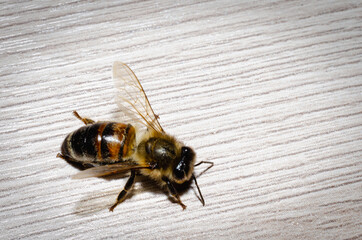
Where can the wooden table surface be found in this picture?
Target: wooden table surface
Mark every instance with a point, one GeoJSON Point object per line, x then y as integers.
{"type": "Point", "coordinates": [270, 91]}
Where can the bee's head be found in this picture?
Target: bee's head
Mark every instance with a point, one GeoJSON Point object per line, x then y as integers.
{"type": "Point", "coordinates": [184, 168]}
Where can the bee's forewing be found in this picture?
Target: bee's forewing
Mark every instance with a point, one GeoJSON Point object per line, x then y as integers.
{"type": "Point", "coordinates": [131, 98]}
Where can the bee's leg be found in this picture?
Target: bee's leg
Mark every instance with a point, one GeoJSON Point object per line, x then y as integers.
{"type": "Point", "coordinates": [173, 192]}
{"type": "Point", "coordinates": [122, 195]}
{"type": "Point", "coordinates": [85, 120]}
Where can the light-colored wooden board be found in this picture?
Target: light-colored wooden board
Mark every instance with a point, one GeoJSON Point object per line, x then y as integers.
{"type": "Point", "coordinates": [270, 91]}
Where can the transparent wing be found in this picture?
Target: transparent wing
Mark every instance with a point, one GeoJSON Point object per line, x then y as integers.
{"type": "Point", "coordinates": [131, 98]}
{"type": "Point", "coordinates": [107, 170]}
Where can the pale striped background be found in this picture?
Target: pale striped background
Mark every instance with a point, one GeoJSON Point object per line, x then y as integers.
{"type": "Point", "coordinates": [270, 91]}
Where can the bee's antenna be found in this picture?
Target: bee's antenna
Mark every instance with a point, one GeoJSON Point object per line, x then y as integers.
{"type": "Point", "coordinates": [201, 197]}
{"type": "Point", "coordinates": [207, 162]}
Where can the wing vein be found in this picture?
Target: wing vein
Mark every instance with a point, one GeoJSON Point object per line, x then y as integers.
{"type": "Point", "coordinates": [131, 97]}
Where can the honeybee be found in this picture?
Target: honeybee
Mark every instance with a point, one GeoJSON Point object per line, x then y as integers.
{"type": "Point", "coordinates": [111, 147]}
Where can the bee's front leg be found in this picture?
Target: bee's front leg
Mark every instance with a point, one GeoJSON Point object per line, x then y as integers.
{"type": "Point", "coordinates": [173, 192]}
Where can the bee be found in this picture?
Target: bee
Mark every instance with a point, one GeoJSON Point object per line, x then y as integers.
{"type": "Point", "coordinates": [112, 147]}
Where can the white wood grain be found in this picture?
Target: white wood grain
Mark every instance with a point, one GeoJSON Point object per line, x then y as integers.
{"type": "Point", "coordinates": [268, 90]}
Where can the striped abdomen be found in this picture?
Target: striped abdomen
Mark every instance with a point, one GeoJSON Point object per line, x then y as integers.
{"type": "Point", "coordinates": [103, 142]}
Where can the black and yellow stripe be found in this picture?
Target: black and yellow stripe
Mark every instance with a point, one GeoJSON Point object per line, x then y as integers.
{"type": "Point", "coordinates": [103, 142]}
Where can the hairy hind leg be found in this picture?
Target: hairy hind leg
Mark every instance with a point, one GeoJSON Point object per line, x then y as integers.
{"type": "Point", "coordinates": [86, 121]}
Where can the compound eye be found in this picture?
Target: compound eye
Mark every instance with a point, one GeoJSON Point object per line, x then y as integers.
{"type": "Point", "coordinates": [179, 171]}
{"type": "Point", "coordinates": [183, 167]}
{"type": "Point", "coordinates": [185, 151]}
{"type": "Point", "coordinates": [187, 155]}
